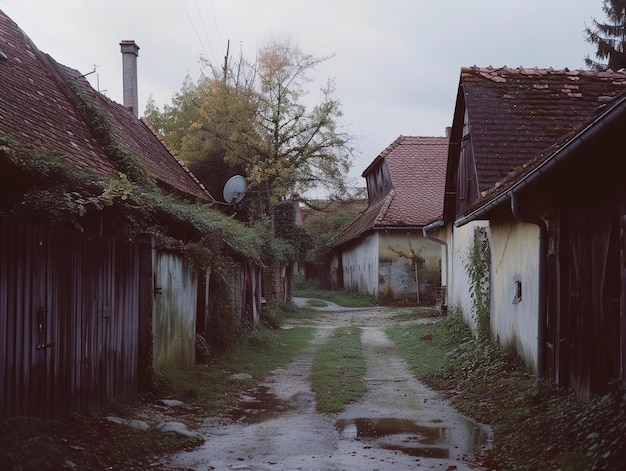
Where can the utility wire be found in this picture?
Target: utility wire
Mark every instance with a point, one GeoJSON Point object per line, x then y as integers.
{"type": "Point", "coordinates": [195, 29]}
{"type": "Point", "coordinates": [206, 33]}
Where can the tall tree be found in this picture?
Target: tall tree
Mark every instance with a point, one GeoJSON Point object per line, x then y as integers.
{"type": "Point", "coordinates": [609, 37]}
{"type": "Point", "coordinates": [256, 117]}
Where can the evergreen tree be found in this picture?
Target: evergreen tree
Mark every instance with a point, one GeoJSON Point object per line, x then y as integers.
{"type": "Point", "coordinates": [609, 37]}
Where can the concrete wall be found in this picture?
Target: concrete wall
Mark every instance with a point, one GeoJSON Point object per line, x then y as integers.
{"type": "Point", "coordinates": [174, 324]}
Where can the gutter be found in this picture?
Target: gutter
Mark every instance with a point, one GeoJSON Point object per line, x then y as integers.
{"type": "Point", "coordinates": [542, 308]}
{"type": "Point", "coordinates": [425, 229]}
{"type": "Point", "coordinates": [589, 133]}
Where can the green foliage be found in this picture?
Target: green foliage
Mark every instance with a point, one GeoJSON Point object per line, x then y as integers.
{"type": "Point", "coordinates": [602, 429]}
{"type": "Point", "coordinates": [478, 267]}
{"type": "Point", "coordinates": [338, 370]}
{"type": "Point", "coordinates": [123, 158]}
{"type": "Point", "coordinates": [295, 235]}
{"type": "Point", "coordinates": [609, 37]}
{"type": "Point", "coordinates": [324, 225]}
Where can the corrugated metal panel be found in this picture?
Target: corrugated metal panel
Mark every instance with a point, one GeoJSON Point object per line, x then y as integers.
{"type": "Point", "coordinates": [68, 319]}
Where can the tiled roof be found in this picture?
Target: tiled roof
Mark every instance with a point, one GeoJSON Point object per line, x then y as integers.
{"type": "Point", "coordinates": [417, 167]}
{"type": "Point", "coordinates": [516, 115]}
{"type": "Point", "coordinates": [137, 136]}
{"type": "Point", "coordinates": [35, 109]}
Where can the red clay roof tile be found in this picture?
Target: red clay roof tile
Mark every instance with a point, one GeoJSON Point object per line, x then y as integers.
{"type": "Point", "coordinates": [417, 167]}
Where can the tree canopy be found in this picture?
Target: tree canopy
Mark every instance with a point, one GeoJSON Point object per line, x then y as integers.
{"type": "Point", "coordinates": [609, 37]}
{"type": "Point", "coordinates": [256, 119]}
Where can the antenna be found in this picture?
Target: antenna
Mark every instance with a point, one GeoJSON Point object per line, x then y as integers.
{"type": "Point", "coordinates": [235, 189]}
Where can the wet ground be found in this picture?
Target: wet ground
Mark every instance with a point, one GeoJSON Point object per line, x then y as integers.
{"type": "Point", "coordinates": [399, 424]}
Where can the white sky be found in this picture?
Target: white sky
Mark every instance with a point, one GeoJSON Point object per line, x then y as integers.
{"type": "Point", "coordinates": [396, 63]}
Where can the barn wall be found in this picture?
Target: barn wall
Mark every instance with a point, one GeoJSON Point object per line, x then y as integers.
{"type": "Point", "coordinates": [68, 319]}
{"type": "Point", "coordinates": [460, 243]}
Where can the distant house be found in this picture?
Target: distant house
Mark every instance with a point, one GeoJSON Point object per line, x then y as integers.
{"type": "Point", "coordinates": [383, 252]}
{"type": "Point", "coordinates": [535, 181]}
{"type": "Point", "coordinates": [90, 305]}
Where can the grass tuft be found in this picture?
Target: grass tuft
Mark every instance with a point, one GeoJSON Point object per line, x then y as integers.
{"type": "Point", "coordinates": [338, 370]}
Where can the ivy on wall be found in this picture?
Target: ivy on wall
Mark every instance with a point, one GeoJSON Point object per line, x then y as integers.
{"type": "Point", "coordinates": [478, 268]}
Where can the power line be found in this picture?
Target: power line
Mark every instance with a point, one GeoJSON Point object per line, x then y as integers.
{"type": "Point", "coordinates": [217, 26]}
{"type": "Point", "coordinates": [195, 29]}
{"type": "Point", "coordinates": [206, 33]}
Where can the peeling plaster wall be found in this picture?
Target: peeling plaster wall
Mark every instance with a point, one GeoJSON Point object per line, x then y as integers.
{"type": "Point", "coordinates": [396, 271]}
{"type": "Point", "coordinates": [514, 288]}
{"type": "Point", "coordinates": [175, 312]}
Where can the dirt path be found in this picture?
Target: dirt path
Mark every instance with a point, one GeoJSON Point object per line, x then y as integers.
{"type": "Point", "coordinates": [399, 424]}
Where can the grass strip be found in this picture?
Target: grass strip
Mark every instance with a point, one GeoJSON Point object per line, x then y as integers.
{"type": "Point", "coordinates": [536, 425]}
{"type": "Point", "coordinates": [338, 370]}
{"type": "Point", "coordinates": [212, 387]}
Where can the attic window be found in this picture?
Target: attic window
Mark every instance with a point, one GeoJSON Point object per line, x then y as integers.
{"type": "Point", "coordinates": [3, 56]}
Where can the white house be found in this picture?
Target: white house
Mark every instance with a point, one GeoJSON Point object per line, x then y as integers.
{"type": "Point", "coordinates": [383, 252]}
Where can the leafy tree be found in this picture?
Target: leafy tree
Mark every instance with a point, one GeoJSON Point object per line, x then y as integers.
{"type": "Point", "coordinates": [325, 223]}
{"type": "Point", "coordinates": [251, 118]}
{"type": "Point", "coordinates": [609, 37]}
{"type": "Point", "coordinates": [174, 121]}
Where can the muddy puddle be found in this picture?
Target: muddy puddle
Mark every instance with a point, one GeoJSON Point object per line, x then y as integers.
{"type": "Point", "coordinates": [259, 404]}
{"type": "Point", "coordinates": [401, 435]}
{"type": "Point", "coordinates": [409, 437]}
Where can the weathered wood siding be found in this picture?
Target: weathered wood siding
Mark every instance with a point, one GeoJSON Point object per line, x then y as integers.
{"type": "Point", "coordinates": [68, 319]}
{"type": "Point", "coordinates": [176, 294]}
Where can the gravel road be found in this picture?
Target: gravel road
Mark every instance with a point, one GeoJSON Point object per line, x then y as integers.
{"type": "Point", "coordinates": [399, 424]}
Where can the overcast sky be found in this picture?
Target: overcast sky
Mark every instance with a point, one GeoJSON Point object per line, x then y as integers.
{"type": "Point", "coordinates": [395, 63]}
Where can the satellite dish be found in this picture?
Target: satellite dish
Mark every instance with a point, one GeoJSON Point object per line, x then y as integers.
{"type": "Point", "coordinates": [235, 189]}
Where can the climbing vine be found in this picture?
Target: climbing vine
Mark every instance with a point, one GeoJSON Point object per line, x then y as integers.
{"type": "Point", "coordinates": [477, 266]}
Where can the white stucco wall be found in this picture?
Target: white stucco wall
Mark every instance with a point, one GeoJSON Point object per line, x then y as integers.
{"type": "Point", "coordinates": [360, 265]}
{"type": "Point", "coordinates": [514, 250]}
{"type": "Point", "coordinates": [515, 259]}
{"type": "Point", "coordinates": [460, 242]}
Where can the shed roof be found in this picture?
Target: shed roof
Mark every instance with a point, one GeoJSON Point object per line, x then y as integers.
{"type": "Point", "coordinates": [517, 114]}
{"type": "Point", "coordinates": [417, 168]}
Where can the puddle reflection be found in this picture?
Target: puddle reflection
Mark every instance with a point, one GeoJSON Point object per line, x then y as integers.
{"type": "Point", "coordinates": [408, 437]}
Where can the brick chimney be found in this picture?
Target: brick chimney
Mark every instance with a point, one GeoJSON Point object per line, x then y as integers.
{"type": "Point", "coordinates": [130, 51]}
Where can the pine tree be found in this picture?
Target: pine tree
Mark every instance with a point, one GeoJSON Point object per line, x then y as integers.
{"type": "Point", "coordinates": [609, 37]}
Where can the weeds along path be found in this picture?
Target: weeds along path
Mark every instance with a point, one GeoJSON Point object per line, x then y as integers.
{"type": "Point", "coordinates": [398, 424]}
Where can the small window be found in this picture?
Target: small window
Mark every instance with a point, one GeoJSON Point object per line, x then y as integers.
{"type": "Point", "coordinates": [518, 292]}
